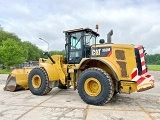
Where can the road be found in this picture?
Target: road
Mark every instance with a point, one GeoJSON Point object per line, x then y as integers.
{"type": "Point", "coordinates": [67, 105]}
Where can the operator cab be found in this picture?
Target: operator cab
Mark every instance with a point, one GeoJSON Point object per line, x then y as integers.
{"type": "Point", "coordinates": [78, 44]}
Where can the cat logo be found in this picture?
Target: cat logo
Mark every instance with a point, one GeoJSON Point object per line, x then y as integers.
{"type": "Point", "coordinates": [96, 52]}
{"type": "Point", "coordinates": [101, 52]}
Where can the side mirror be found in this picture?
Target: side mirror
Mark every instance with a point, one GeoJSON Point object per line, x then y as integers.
{"type": "Point", "coordinates": [66, 44]}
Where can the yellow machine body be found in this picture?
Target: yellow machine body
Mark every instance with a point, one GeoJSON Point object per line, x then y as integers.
{"type": "Point", "coordinates": [123, 64]}
{"type": "Point", "coordinates": [60, 70]}
{"type": "Point", "coordinates": [118, 65]}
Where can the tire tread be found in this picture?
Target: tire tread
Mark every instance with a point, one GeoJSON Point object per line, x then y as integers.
{"type": "Point", "coordinates": [111, 86]}
{"type": "Point", "coordinates": [47, 89]}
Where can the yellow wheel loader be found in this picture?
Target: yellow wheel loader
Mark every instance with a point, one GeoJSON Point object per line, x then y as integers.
{"type": "Point", "coordinates": [96, 70]}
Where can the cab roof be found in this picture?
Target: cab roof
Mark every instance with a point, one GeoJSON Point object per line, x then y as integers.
{"type": "Point", "coordinates": [81, 29]}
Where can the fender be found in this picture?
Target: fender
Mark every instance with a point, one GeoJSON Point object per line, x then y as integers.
{"type": "Point", "coordinates": [109, 64]}
{"type": "Point", "coordinates": [51, 70]}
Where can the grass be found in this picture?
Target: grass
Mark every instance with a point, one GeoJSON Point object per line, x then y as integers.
{"type": "Point", "coordinates": [154, 67]}
{"type": "Point", "coordinates": [5, 71]}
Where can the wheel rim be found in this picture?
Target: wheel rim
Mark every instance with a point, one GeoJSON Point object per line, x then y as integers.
{"type": "Point", "coordinates": [36, 81]}
{"type": "Point", "coordinates": [92, 86]}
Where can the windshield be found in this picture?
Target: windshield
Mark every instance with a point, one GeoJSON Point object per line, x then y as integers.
{"type": "Point", "coordinates": [89, 39]}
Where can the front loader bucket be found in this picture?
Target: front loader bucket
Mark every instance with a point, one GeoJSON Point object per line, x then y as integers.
{"type": "Point", "coordinates": [18, 79]}
{"type": "Point", "coordinates": [11, 84]}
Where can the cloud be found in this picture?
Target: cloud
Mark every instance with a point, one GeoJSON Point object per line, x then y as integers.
{"type": "Point", "coordinates": [133, 22]}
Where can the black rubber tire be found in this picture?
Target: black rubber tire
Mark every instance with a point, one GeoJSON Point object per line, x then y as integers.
{"type": "Point", "coordinates": [44, 88]}
{"type": "Point", "coordinates": [115, 93]}
{"type": "Point", "coordinates": [61, 86]}
{"type": "Point", "coordinates": [48, 90]}
{"type": "Point", "coordinates": [107, 87]}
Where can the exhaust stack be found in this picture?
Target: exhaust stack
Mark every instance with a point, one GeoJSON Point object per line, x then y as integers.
{"type": "Point", "coordinates": [109, 36]}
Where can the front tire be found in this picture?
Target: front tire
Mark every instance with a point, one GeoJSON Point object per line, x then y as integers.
{"type": "Point", "coordinates": [95, 86]}
{"type": "Point", "coordinates": [38, 82]}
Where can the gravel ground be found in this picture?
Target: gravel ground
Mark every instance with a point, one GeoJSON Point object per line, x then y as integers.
{"type": "Point", "coordinates": [156, 89]}
{"type": "Point", "coordinates": [156, 74]}
{"type": "Point", "coordinates": [3, 78]}
{"type": "Point", "coordinates": [67, 105]}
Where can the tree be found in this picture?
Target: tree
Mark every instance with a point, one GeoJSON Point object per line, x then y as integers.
{"type": "Point", "coordinates": [4, 35]}
{"type": "Point", "coordinates": [158, 62]}
{"type": "Point", "coordinates": [57, 52]}
{"type": "Point", "coordinates": [157, 57]}
{"type": "Point", "coordinates": [11, 52]}
{"type": "Point", "coordinates": [153, 59]}
{"type": "Point", "coordinates": [32, 51]}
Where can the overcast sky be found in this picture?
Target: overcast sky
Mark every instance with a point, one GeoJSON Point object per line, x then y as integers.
{"type": "Point", "coordinates": [133, 21]}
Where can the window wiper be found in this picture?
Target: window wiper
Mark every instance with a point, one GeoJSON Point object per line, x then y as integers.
{"type": "Point", "coordinates": [78, 40]}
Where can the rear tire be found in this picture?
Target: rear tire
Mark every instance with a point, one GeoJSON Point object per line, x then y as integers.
{"type": "Point", "coordinates": [38, 82]}
{"type": "Point", "coordinates": [95, 86]}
